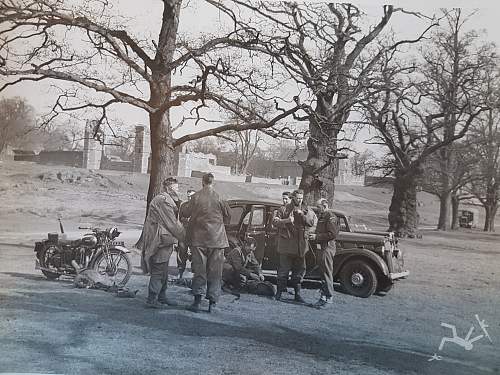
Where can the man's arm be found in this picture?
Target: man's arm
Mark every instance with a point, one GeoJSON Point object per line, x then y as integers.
{"type": "Point", "coordinates": [234, 259]}
{"type": "Point", "coordinates": [310, 218]}
{"type": "Point", "coordinates": [186, 208]}
{"type": "Point", "coordinates": [226, 211]}
{"type": "Point", "coordinates": [170, 222]}
{"type": "Point", "coordinates": [254, 267]}
{"type": "Point", "coordinates": [332, 229]}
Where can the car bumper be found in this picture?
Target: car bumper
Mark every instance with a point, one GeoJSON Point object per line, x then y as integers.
{"type": "Point", "coordinates": [398, 275]}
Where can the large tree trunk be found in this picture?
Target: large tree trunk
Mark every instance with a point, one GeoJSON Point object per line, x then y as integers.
{"type": "Point", "coordinates": [403, 216]}
{"type": "Point", "coordinates": [489, 220]}
{"type": "Point", "coordinates": [318, 170]}
{"type": "Point", "coordinates": [162, 153]}
{"type": "Point", "coordinates": [444, 210]}
{"type": "Point", "coordinates": [455, 204]}
{"type": "Point", "coordinates": [162, 150]}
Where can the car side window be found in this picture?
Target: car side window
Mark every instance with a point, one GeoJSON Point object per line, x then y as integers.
{"type": "Point", "coordinates": [258, 217]}
{"type": "Point", "coordinates": [236, 213]}
{"type": "Point", "coordinates": [246, 219]}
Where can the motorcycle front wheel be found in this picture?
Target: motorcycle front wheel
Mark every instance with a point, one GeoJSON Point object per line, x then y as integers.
{"type": "Point", "coordinates": [117, 266]}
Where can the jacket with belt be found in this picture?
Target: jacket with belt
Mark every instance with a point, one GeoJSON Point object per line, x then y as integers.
{"type": "Point", "coordinates": [161, 228]}
{"type": "Point", "coordinates": [326, 231]}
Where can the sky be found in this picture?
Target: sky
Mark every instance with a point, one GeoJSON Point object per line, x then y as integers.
{"type": "Point", "coordinates": [145, 16]}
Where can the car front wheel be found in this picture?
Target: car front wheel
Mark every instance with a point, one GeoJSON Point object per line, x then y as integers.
{"type": "Point", "coordinates": [358, 278]}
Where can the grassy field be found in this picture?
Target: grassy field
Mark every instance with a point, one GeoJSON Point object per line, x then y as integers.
{"type": "Point", "coordinates": [34, 195]}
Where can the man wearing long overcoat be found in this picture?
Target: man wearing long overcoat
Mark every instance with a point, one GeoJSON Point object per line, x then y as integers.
{"type": "Point", "coordinates": [162, 231]}
{"type": "Point", "coordinates": [207, 238]}
{"type": "Point", "coordinates": [294, 224]}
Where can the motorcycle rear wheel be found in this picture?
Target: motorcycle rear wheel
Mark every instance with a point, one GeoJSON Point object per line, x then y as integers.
{"type": "Point", "coordinates": [118, 271]}
{"type": "Point", "coordinates": [44, 258]}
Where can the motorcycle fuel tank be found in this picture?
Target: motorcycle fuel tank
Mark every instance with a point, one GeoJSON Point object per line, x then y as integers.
{"type": "Point", "coordinates": [89, 240]}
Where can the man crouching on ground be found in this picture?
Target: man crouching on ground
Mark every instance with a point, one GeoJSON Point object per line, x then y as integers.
{"type": "Point", "coordinates": [162, 230]}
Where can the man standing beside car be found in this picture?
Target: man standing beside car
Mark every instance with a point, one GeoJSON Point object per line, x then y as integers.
{"type": "Point", "coordinates": [323, 243]}
{"type": "Point", "coordinates": [207, 239]}
{"type": "Point", "coordinates": [162, 231]}
{"type": "Point", "coordinates": [294, 224]}
{"type": "Point", "coordinates": [184, 253]}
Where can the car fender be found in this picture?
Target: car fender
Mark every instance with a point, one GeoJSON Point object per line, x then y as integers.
{"type": "Point", "coordinates": [344, 255]}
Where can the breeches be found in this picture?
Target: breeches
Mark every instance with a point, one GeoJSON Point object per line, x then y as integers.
{"type": "Point", "coordinates": [207, 267]}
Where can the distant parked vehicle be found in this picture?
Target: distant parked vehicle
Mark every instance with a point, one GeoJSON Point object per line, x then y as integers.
{"type": "Point", "coordinates": [468, 218]}
{"type": "Point", "coordinates": [366, 262]}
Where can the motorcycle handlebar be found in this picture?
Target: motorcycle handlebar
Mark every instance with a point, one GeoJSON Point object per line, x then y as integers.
{"type": "Point", "coordinates": [89, 228]}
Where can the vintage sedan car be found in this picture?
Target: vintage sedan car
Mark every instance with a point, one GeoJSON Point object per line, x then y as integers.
{"type": "Point", "coordinates": [366, 262]}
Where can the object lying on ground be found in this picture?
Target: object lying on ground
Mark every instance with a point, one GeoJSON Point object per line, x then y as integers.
{"type": "Point", "coordinates": [91, 279]}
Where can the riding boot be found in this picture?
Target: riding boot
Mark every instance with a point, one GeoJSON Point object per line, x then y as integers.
{"type": "Point", "coordinates": [195, 306]}
{"type": "Point", "coordinates": [298, 297]}
{"type": "Point", "coordinates": [280, 288]}
{"type": "Point", "coordinates": [212, 307]}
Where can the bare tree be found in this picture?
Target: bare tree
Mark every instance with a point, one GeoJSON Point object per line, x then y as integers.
{"type": "Point", "coordinates": [39, 41]}
{"type": "Point", "coordinates": [245, 147]}
{"type": "Point", "coordinates": [454, 62]}
{"type": "Point", "coordinates": [410, 129]}
{"type": "Point", "coordinates": [323, 53]}
{"type": "Point", "coordinates": [362, 163]}
{"type": "Point", "coordinates": [485, 145]}
{"type": "Point", "coordinates": [16, 121]}
{"type": "Point", "coordinates": [462, 171]}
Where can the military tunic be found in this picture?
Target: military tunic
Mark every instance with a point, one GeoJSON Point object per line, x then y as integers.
{"type": "Point", "coordinates": [206, 235]}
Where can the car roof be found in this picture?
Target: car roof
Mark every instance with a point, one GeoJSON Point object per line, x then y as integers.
{"type": "Point", "coordinates": [233, 202]}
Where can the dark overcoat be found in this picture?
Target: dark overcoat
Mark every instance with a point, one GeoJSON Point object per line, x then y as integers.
{"type": "Point", "coordinates": [207, 213]}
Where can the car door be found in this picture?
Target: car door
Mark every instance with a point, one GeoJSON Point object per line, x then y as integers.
{"type": "Point", "coordinates": [270, 261]}
{"type": "Point", "coordinates": [254, 226]}
{"type": "Point", "coordinates": [237, 213]}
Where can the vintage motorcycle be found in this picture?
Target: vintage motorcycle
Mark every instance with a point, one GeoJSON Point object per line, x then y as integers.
{"type": "Point", "coordinates": [97, 250]}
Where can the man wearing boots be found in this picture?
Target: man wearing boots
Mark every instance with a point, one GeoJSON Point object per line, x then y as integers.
{"type": "Point", "coordinates": [207, 239]}
{"type": "Point", "coordinates": [323, 243]}
{"type": "Point", "coordinates": [241, 264]}
{"type": "Point", "coordinates": [294, 224]}
{"type": "Point", "coordinates": [162, 231]}
{"type": "Point", "coordinates": [184, 253]}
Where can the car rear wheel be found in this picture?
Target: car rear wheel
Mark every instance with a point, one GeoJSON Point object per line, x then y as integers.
{"type": "Point", "coordinates": [358, 278]}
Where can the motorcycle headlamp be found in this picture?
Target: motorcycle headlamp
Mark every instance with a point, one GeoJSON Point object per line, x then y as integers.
{"type": "Point", "coordinates": [113, 232]}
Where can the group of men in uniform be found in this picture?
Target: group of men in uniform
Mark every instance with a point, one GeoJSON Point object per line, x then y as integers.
{"type": "Point", "coordinates": [197, 224]}
{"type": "Point", "coordinates": [197, 229]}
{"type": "Point", "coordinates": [302, 229]}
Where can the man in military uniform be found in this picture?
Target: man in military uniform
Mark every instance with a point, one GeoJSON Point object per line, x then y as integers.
{"type": "Point", "coordinates": [323, 243]}
{"type": "Point", "coordinates": [294, 224]}
{"type": "Point", "coordinates": [162, 231]}
{"type": "Point", "coordinates": [241, 264]}
{"type": "Point", "coordinates": [207, 239]}
{"type": "Point", "coordinates": [184, 253]}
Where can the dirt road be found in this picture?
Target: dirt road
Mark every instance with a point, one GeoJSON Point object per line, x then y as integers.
{"type": "Point", "coordinates": [49, 327]}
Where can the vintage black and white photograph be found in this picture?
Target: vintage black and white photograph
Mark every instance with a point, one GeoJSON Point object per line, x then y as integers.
{"type": "Point", "coordinates": [229, 187]}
